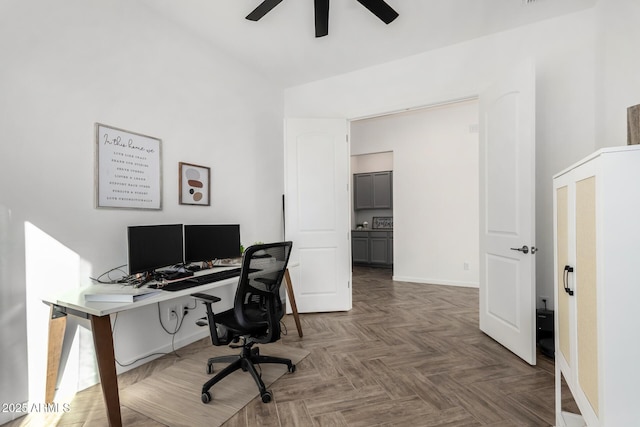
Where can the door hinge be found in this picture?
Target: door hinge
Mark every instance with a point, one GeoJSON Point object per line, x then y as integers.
{"type": "Point", "coordinates": [346, 137]}
{"type": "Point", "coordinates": [348, 284]}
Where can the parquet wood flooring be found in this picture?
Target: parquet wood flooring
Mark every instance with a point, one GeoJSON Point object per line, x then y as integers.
{"type": "Point", "coordinates": [411, 354]}
{"type": "Point", "coordinates": [406, 355]}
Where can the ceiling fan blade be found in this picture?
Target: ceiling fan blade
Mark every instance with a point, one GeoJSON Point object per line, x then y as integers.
{"type": "Point", "coordinates": [262, 9]}
{"type": "Point", "coordinates": [322, 17]}
{"type": "Point", "coordinates": [381, 9]}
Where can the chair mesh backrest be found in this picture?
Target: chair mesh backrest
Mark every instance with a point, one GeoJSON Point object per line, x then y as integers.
{"type": "Point", "coordinates": [257, 305]}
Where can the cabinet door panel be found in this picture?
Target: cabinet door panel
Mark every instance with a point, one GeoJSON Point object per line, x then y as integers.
{"type": "Point", "coordinates": [379, 250]}
{"type": "Point", "coordinates": [586, 295]}
{"type": "Point", "coordinates": [363, 191]}
{"type": "Point", "coordinates": [382, 190]}
{"type": "Point", "coordinates": [360, 249]}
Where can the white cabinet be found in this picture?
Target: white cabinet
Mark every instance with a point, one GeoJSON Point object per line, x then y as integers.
{"type": "Point", "coordinates": [597, 287]}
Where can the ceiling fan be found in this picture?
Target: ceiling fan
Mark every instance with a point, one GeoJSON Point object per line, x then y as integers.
{"type": "Point", "coordinates": [378, 7]}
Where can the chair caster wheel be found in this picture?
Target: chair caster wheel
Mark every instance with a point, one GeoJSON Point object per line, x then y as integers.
{"type": "Point", "coordinates": [206, 397]}
{"type": "Point", "coordinates": [209, 369]}
{"type": "Point", "coordinates": [292, 369]}
{"type": "Point", "coordinates": [266, 397]}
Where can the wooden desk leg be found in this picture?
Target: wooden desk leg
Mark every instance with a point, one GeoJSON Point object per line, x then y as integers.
{"type": "Point", "coordinates": [57, 326]}
{"type": "Point", "coordinates": [103, 342]}
{"type": "Point", "coordinates": [292, 300]}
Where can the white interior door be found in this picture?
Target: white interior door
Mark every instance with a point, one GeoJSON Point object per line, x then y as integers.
{"type": "Point", "coordinates": [507, 212]}
{"type": "Point", "coordinates": [317, 216]}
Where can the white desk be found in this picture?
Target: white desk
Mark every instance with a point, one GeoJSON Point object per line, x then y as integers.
{"type": "Point", "coordinates": [73, 302]}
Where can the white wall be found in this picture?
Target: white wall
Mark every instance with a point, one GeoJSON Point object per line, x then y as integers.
{"type": "Point", "coordinates": [370, 162]}
{"type": "Point", "coordinates": [563, 50]}
{"type": "Point", "coordinates": [618, 62]}
{"type": "Point", "coordinates": [435, 190]}
{"type": "Point", "coordinates": [65, 66]}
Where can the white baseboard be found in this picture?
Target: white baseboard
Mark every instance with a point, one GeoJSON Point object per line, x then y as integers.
{"type": "Point", "coordinates": [435, 281]}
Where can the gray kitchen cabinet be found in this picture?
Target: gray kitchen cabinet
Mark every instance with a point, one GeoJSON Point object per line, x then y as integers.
{"type": "Point", "coordinates": [379, 245]}
{"type": "Point", "coordinates": [373, 190]}
{"type": "Point", "coordinates": [360, 247]}
{"type": "Point", "coordinates": [363, 191]}
{"type": "Point", "coordinates": [374, 248]}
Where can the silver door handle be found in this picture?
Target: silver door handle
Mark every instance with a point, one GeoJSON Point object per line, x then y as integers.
{"type": "Point", "coordinates": [524, 249]}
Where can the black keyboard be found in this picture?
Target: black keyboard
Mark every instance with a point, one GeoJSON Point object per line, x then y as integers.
{"type": "Point", "coordinates": [201, 280]}
{"type": "Point", "coordinates": [218, 275]}
{"type": "Point", "coordinates": [176, 275]}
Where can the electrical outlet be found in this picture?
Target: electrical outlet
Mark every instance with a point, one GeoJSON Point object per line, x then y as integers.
{"type": "Point", "coordinates": [465, 266]}
{"type": "Point", "coordinates": [172, 312]}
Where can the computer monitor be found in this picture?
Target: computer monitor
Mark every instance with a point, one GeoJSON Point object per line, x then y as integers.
{"type": "Point", "coordinates": [154, 246]}
{"type": "Point", "coordinates": [204, 243]}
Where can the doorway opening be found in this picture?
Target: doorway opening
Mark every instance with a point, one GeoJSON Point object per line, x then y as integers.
{"type": "Point", "coordinates": [372, 210]}
{"type": "Point", "coordinates": [433, 153]}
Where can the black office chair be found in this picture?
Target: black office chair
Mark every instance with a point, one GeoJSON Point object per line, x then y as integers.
{"type": "Point", "coordinates": [254, 318]}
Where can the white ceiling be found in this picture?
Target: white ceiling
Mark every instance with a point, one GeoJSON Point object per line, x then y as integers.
{"type": "Point", "coordinates": [282, 45]}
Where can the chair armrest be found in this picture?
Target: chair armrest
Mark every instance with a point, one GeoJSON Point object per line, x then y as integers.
{"type": "Point", "coordinates": [206, 298]}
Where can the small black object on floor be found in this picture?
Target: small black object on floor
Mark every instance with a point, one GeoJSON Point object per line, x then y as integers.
{"type": "Point", "coordinates": [545, 335]}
